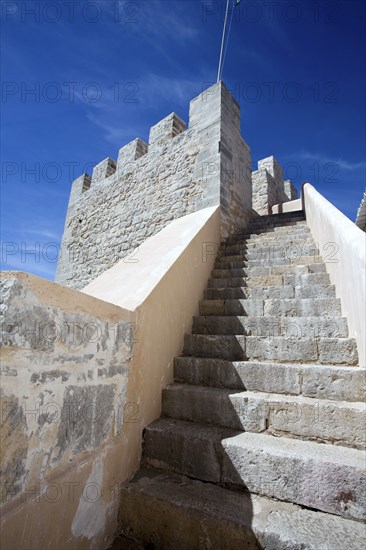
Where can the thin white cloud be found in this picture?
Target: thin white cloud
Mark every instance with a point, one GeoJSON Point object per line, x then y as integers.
{"type": "Point", "coordinates": [323, 159]}
{"type": "Point", "coordinates": [116, 119]}
{"type": "Point", "coordinates": [179, 90]}
{"type": "Point", "coordinates": [113, 130]}
{"type": "Point", "coordinates": [156, 19]}
{"type": "Point", "coordinates": [42, 269]}
{"type": "Point", "coordinates": [43, 233]}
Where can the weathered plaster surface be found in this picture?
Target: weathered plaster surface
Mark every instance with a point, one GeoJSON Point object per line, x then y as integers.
{"type": "Point", "coordinates": [65, 364]}
{"type": "Point", "coordinates": [91, 516]}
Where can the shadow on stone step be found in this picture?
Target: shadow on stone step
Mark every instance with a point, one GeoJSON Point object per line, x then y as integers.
{"type": "Point", "coordinates": [124, 543]}
{"type": "Point", "coordinates": [169, 511]}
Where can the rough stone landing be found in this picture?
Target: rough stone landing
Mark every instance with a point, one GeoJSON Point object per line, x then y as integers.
{"type": "Point", "coordinates": [261, 443]}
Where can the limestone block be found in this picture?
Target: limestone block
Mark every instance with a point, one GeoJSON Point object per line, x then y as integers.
{"type": "Point", "coordinates": [338, 351]}
{"type": "Point", "coordinates": [129, 153]}
{"type": "Point", "coordinates": [315, 291]}
{"type": "Point", "coordinates": [179, 446]}
{"type": "Point", "coordinates": [103, 170]}
{"type": "Point", "coordinates": [226, 282]}
{"type": "Point", "coordinates": [340, 422]}
{"type": "Point", "coordinates": [198, 404]}
{"type": "Point", "coordinates": [79, 186]}
{"type": "Point", "coordinates": [340, 383]}
{"type": "Point", "coordinates": [304, 307]}
{"type": "Point", "coordinates": [281, 349]}
{"type": "Point", "coordinates": [165, 130]}
{"type": "Point", "coordinates": [229, 293]}
{"type": "Point", "coordinates": [272, 166]}
{"type": "Point", "coordinates": [275, 292]}
{"type": "Point", "coordinates": [221, 346]}
{"type": "Point", "coordinates": [324, 477]}
{"type": "Point", "coordinates": [290, 190]}
{"type": "Point", "coordinates": [244, 307]}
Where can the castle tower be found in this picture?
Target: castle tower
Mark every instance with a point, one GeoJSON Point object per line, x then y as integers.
{"type": "Point", "coordinates": [181, 170]}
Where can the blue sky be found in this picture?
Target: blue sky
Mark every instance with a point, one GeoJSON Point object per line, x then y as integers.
{"type": "Point", "coordinates": [102, 72]}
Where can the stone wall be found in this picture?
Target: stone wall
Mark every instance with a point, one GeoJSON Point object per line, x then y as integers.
{"type": "Point", "coordinates": [178, 172]}
{"type": "Point", "coordinates": [269, 187]}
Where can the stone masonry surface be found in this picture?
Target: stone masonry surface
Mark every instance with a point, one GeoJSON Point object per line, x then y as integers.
{"type": "Point", "coordinates": [179, 172]}
{"type": "Point", "coordinates": [269, 186]}
{"type": "Point", "coordinates": [64, 374]}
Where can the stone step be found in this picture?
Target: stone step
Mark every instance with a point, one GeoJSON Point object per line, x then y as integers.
{"type": "Point", "coordinates": [124, 543]}
{"type": "Point", "coordinates": [303, 260]}
{"type": "Point", "coordinates": [281, 282]}
{"type": "Point", "coordinates": [275, 240]}
{"type": "Point", "coordinates": [306, 307]}
{"type": "Point", "coordinates": [225, 293]}
{"type": "Point", "coordinates": [310, 380]}
{"type": "Point", "coordinates": [181, 513]}
{"type": "Point", "coordinates": [305, 279]}
{"type": "Point", "coordinates": [323, 477]}
{"type": "Point", "coordinates": [298, 229]}
{"type": "Point", "coordinates": [231, 307]}
{"type": "Point", "coordinates": [289, 226]}
{"type": "Point", "coordinates": [267, 292]}
{"type": "Point", "coordinates": [282, 216]}
{"type": "Point", "coordinates": [265, 327]}
{"type": "Point", "coordinates": [341, 423]}
{"type": "Point", "coordinates": [340, 351]}
{"type": "Point", "coordinates": [231, 290]}
{"type": "Point", "coordinates": [185, 447]}
{"type": "Point", "coordinates": [296, 416]}
{"type": "Point", "coordinates": [294, 279]}
{"type": "Point", "coordinates": [267, 271]}
{"type": "Point", "coordinates": [267, 252]}
{"type": "Point", "coordinates": [268, 239]}
{"type": "Point", "coordinates": [179, 445]}
{"type": "Point", "coordinates": [263, 224]}
{"type": "Point", "coordinates": [226, 282]}
{"type": "Point", "coordinates": [311, 307]}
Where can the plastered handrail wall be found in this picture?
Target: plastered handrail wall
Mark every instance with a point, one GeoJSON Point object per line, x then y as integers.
{"type": "Point", "coordinates": [343, 247]}
{"type": "Point", "coordinates": [66, 360]}
{"type": "Point", "coordinates": [70, 467]}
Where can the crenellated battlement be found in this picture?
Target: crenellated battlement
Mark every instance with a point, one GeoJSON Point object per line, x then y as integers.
{"type": "Point", "coordinates": [165, 130]}
{"type": "Point", "coordinates": [129, 153]}
{"type": "Point", "coordinates": [160, 134]}
{"type": "Point", "coordinates": [181, 170]}
{"type": "Point", "coordinates": [103, 170]}
{"type": "Point", "coordinates": [205, 110]}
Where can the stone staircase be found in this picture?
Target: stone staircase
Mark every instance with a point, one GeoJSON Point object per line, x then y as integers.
{"type": "Point", "coordinates": [261, 440]}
